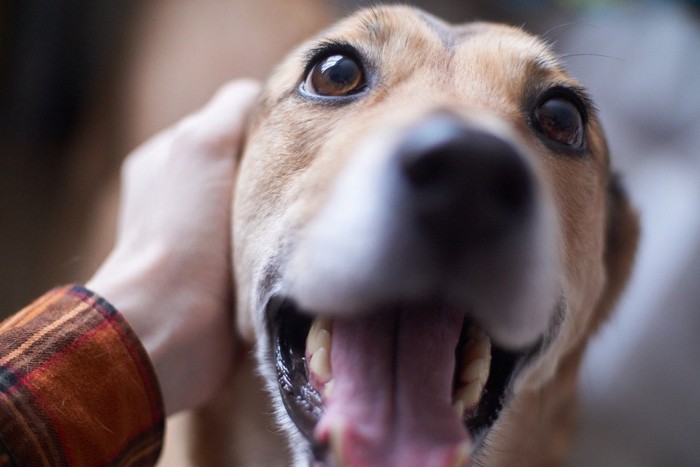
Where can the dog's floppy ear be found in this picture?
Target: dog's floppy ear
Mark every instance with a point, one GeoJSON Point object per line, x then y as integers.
{"type": "Point", "coordinates": [620, 249]}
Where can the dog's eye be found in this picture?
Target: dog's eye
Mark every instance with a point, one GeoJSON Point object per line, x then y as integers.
{"type": "Point", "coordinates": [336, 75]}
{"type": "Point", "coordinates": [560, 120]}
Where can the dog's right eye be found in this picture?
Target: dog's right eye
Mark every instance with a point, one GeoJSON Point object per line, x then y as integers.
{"type": "Point", "coordinates": [335, 75]}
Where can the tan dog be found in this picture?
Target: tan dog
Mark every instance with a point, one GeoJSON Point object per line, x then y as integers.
{"type": "Point", "coordinates": [426, 233]}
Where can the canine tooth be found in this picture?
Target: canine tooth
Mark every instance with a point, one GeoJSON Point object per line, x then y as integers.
{"type": "Point", "coordinates": [320, 364]}
{"type": "Point", "coordinates": [483, 346]}
{"type": "Point", "coordinates": [328, 389]}
{"type": "Point", "coordinates": [476, 362]}
{"type": "Point", "coordinates": [321, 339]}
{"type": "Point", "coordinates": [476, 370]}
{"type": "Point", "coordinates": [319, 336]}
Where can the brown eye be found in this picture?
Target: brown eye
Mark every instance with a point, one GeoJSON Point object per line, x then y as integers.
{"type": "Point", "coordinates": [336, 75]}
{"type": "Point", "coordinates": [560, 120]}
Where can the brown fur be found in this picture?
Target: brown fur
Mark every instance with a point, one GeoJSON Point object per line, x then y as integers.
{"type": "Point", "coordinates": [297, 148]}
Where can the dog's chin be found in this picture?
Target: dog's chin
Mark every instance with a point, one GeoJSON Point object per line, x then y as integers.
{"type": "Point", "coordinates": [426, 366]}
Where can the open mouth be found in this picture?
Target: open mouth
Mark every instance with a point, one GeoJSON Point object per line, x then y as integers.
{"type": "Point", "coordinates": [314, 381]}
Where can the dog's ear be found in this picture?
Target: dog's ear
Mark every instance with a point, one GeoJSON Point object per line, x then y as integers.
{"type": "Point", "coordinates": [620, 249]}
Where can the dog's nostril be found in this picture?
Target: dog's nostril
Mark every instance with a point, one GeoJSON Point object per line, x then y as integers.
{"type": "Point", "coordinates": [427, 154]}
{"type": "Point", "coordinates": [429, 168]}
{"type": "Point", "coordinates": [512, 188]}
{"type": "Point", "coordinates": [463, 181]}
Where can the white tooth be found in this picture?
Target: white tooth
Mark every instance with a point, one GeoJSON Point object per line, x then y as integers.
{"type": "Point", "coordinates": [476, 370]}
{"type": "Point", "coordinates": [478, 347]}
{"type": "Point", "coordinates": [470, 394]}
{"type": "Point", "coordinates": [320, 365]}
{"type": "Point", "coordinates": [320, 339]}
{"type": "Point", "coordinates": [458, 407]}
{"type": "Point", "coordinates": [319, 336]}
{"type": "Point", "coordinates": [482, 347]}
{"type": "Point", "coordinates": [476, 365]}
{"type": "Point", "coordinates": [477, 359]}
{"type": "Point", "coordinates": [328, 389]}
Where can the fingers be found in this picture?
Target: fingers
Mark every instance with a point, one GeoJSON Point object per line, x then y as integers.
{"type": "Point", "coordinates": [218, 125]}
{"type": "Point", "coordinates": [226, 112]}
{"type": "Point", "coordinates": [221, 122]}
{"type": "Point", "coordinates": [190, 163]}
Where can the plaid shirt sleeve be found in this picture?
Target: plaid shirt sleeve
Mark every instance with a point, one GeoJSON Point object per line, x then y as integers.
{"type": "Point", "coordinates": [76, 386]}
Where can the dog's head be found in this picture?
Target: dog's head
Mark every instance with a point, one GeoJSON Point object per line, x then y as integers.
{"type": "Point", "coordinates": [425, 230]}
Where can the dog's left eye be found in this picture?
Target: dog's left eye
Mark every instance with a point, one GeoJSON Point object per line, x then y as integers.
{"type": "Point", "coordinates": [560, 120]}
{"type": "Point", "coordinates": [336, 75]}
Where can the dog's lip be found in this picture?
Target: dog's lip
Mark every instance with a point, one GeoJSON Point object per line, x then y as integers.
{"type": "Point", "coordinates": [288, 328]}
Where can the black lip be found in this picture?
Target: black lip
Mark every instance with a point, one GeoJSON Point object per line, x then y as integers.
{"type": "Point", "coordinates": [288, 329]}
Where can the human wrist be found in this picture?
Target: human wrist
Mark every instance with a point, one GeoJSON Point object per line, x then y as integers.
{"type": "Point", "coordinates": [135, 287]}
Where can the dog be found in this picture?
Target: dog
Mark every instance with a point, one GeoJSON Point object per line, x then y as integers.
{"type": "Point", "coordinates": [426, 232]}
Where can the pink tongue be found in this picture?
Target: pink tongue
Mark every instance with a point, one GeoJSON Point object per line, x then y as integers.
{"type": "Point", "coordinates": [391, 400]}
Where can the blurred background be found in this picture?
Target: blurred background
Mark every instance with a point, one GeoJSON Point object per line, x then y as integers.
{"type": "Point", "coordinates": [82, 82]}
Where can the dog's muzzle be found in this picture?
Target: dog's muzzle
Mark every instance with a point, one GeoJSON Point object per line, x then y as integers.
{"type": "Point", "coordinates": [418, 291]}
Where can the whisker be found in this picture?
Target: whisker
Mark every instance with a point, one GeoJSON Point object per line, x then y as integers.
{"type": "Point", "coordinates": [567, 25]}
{"type": "Point", "coordinates": [593, 55]}
{"type": "Point", "coordinates": [560, 26]}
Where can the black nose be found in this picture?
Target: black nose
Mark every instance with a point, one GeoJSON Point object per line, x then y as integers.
{"type": "Point", "coordinates": [463, 184]}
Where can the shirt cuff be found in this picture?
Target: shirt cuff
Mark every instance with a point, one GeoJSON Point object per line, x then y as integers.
{"type": "Point", "coordinates": [76, 386]}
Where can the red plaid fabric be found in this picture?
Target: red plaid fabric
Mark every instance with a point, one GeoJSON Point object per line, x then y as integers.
{"type": "Point", "coordinates": [76, 386]}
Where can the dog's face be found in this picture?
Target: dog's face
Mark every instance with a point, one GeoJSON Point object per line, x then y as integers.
{"type": "Point", "coordinates": [423, 225]}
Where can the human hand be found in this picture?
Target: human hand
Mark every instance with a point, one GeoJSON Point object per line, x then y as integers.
{"type": "Point", "coordinates": [170, 272]}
